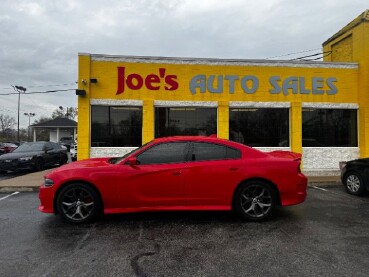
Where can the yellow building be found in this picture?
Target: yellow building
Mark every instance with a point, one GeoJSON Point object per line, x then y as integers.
{"type": "Point", "coordinates": [319, 109]}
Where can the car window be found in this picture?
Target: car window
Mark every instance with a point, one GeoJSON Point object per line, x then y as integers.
{"type": "Point", "coordinates": [30, 146]}
{"type": "Point", "coordinates": [203, 151]}
{"type": "Point", "coordinates": [172, 152]}
{"type": "Point", "coordinates": [55, 145]}
{"type": "Point", "coordinates": [48, 146]}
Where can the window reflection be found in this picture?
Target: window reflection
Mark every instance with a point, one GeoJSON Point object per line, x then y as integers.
{"type": "Point", "coordinates": [266, 127]}
{"type": "Point", "coordinates": [116, 126]}
{"type": "Point", "coordinates": [329, 127]}
{"type": "Point", "coordinates": [185, 121]}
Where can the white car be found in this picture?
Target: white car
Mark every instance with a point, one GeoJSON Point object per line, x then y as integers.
{"type": "Point", "coordinates": [73, 152]}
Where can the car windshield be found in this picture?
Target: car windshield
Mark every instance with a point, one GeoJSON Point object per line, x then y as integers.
{"type": "Point", "coordinates": [119, 159]}
{"type": "Point", "coordinates": [29, 147]}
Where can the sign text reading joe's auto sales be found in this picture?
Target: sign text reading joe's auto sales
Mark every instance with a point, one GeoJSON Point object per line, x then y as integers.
{"type": "Point", "coordinates": [249, 84]}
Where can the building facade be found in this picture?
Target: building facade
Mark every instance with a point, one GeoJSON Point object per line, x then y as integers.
{"type": "Point", "coordinates": [319, 109]}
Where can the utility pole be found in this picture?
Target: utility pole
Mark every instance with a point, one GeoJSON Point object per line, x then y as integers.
{"type": "Point", "coordinates": [29, 123]}
{"type": "Point", "coordinates": [19, 89]}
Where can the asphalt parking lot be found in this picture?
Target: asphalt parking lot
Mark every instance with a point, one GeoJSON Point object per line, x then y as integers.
{"type": "Point", "coordinates": [325, 236]}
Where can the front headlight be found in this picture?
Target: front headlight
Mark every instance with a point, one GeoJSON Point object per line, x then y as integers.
{"type": "Point", "coordinates": [25, 159]}
{"type": "Point", "coordinates": [48, 182]}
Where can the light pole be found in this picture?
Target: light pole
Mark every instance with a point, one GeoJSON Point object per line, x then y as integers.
{"type": "Point", "coordinates": [29, 121]}
{"type": "Point", "coordinates": [19, 89]}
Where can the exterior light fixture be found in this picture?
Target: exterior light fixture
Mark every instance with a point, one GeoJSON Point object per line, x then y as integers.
{"type": "Point", "coordinates": [80, 92]}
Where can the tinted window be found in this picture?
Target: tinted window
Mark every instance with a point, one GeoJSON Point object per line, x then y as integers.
{"type": "Point", "coordinates": [185, 121]}
{"type": "Point", "coordinates": [329, 127]}
{"type": "Point", "coordinates": [30, 146]}
{"type": "Point", "coordinates": [209, 151]}
{"type": "Point", "coordinates": [116, 126]}
{"type": "Point", "coordinates": [174, 152]}
{"type": "Point", "coordinates": [259, 127]}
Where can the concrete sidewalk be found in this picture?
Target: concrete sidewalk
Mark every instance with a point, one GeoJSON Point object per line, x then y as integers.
{"type": "Point", "coordinates": [32, 181]}
{"type": "Point", "coordinates": [27, 182]}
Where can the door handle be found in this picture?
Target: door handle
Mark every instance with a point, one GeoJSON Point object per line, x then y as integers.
{"type": "Point", "coordinates": [177, 173]}
{"type": "Point", "coordinates": [233, 168]}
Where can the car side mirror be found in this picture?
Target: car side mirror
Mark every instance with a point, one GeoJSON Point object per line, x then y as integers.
{"type": "Point", "coordinates": [132, 161]}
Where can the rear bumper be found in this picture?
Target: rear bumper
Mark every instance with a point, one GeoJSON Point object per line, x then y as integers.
{"type": "Point", "coordinates": [297, 194]}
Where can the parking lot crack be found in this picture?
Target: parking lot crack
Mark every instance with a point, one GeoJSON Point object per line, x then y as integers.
{"type": "Point", "coordinates": [135, 264]}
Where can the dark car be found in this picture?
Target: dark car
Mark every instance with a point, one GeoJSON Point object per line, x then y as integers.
{"type": "Point", "coordinates": [6, 147]}
{"type": "Point", "coordinates": [355, 176]}
{"type": "Point", "coordinates": [177, 174]}
{"type": "Point", "coordinates": [33, 155]}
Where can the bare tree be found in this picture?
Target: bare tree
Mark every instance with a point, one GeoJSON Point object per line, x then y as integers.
{"type": "Point", "coordinates": [6, 122]}
{"type": "Point", "coordinates": [70, 113]}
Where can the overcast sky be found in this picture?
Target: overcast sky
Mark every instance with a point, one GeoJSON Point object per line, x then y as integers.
{"type": "Point", "coordinates": [40, 40]}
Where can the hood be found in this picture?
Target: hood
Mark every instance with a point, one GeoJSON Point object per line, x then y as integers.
{"type": "Point", "coordinates": [95, 162]}
{"type": "Point", "coordinates": [15, 155]}
{"type": "Point", "coordinates": [286, 154]}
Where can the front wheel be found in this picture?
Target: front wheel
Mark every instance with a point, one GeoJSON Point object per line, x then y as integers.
{"type": "Point", "coordinates": [254, 200]}
{"type": "Point", "coordinates": [354, 184]}
{"type": "Point", "coordinates": [78, 203]}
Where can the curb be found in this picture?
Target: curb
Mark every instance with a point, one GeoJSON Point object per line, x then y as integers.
{"type": "Point", "coordinates": [20, 189]}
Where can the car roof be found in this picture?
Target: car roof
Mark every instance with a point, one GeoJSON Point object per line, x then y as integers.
{"type": "Point", "coordinates": [211, 138]}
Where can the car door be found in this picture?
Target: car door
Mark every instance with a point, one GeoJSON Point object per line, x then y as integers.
{"type": "Point", "coordinates": [48, 153]}
{"type": "Point", "coordinates": [212, 174]}
{"type": "Point", "coordinates": [157, 180]}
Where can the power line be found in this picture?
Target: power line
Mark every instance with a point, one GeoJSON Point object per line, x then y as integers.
{"type": "Point", "coordinates": [43, 86]}
{"type": "Point", "coordinates": [290, 54]}
{"type": "Point", "coordinates": [327, 53]}
{"type": "Point", "coordinates": [35, 92]}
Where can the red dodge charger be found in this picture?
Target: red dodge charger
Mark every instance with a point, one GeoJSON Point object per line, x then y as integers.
{"type": "Point", "coordinates": [176, 173]}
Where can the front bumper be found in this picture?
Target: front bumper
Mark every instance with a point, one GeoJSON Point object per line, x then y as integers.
{"type": "Point", "coordinates": [46, 196]}
{"type": "Point", "coordinates": [15, 165]}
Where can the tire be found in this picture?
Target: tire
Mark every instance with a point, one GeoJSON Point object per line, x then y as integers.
{"type": "Point", "coordinates": [39, 164]}
{"type": "Point", "coordinates": [63, 160]}
{"type": "Point", "coordinates": [354, 184]}
{"type": "Point", "coordinates": [254, 200]}
{"type": "Point", "coordinates": [78, 203]}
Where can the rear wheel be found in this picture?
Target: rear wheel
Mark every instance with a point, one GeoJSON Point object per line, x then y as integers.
{"type": "Point", "coordinates": [254, 200]}
{"type": "Point", "coordinates": [39, 164]}
{"type": "Point", "coordinates": [63, 160]}
{"type": "Point", "coordinates": [78, 203]}
{"type": "Point", "coordinates": [354, 184]}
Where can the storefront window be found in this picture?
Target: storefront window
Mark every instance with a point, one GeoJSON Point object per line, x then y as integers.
{"type": "Point", "coordinates": [116, 126]}
{"type": "Point", "coordinates": [264, 127]}
{"type": "Point", "coordinates": [185, 121]}
{"type": "Point", "coordinates": [329, 128]}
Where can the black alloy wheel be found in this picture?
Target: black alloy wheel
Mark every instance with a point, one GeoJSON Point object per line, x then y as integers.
{"type": "Point", "coordinates": [254, 200]}
{"type": "Point", "coordinates": [78, 203]}
{"type": "Point", "coordinates": [39, 164]}
{"type": "Point", "coordinates": [353, 183]}
{"type": "Point", "coordinates": [63, 159]}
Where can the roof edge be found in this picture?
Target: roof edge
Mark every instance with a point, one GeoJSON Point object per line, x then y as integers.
{"type": "Point", "coordinates": [363, 17]}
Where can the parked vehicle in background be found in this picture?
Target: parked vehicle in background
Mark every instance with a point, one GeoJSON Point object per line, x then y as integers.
{"type": "Point", "coordinates": [73, 152]}
{"type": "Point", "coordinates": [7, 147]}
{"type": "Point", "coordinates": [67, 142]}
{"type": "Point", "coordinates": [33, 155]}
{"type": "Point", "coordinates": [177, 173]}
{"type": "Point", "coordinates": [355, 176]}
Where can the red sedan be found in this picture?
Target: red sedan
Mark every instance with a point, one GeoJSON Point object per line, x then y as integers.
{"type": "Point", "coordinates": [7, 147]}
{"type": "Point", "coordinates": [176, 173]}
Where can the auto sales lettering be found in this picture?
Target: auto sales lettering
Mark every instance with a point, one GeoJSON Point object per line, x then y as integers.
{"type": "Point", "coordinates": [249, 84]}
